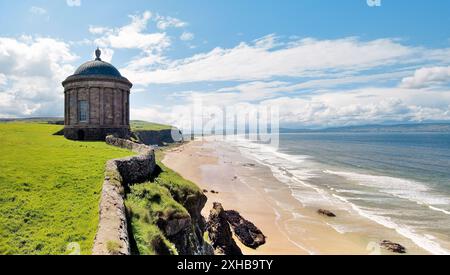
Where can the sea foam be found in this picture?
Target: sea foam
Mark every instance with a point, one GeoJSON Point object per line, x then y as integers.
{"type": "Point", "coordinates": [290, 170]}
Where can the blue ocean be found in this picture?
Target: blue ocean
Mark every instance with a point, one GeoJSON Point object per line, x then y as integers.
{"type": "Point", "coordinates": [398, 180]}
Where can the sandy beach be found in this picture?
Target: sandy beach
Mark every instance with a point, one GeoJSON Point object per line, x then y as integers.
{"type": "Point", "coordinates": [250, 188]}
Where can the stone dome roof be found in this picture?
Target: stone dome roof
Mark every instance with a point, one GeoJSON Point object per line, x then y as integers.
{"type": "Point", "coordinates": [97, 67]}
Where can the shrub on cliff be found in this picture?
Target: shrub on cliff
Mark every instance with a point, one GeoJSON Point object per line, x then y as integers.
{"type": "Point", "coordinates": [183, 191]}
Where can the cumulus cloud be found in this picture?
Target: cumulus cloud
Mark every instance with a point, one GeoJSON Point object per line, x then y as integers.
{"type": "Point", "coordinates": [165, 22]}
{"type": "Point", "coordinates": [3, 79]}
{"type": "Point", "coordinates": [363, 106]}
{"type": "Point", "coordinates": [324, 108]}
{"type": "Point", "coordinates": [132, 36]}
{"type": "Point", "coordinates": [98, 30]}
{"type": "Point", "coordinates": [267, 58]}
{"type": "Point", "coordinates": [32, 70]}
{"type": "Point", "coordinates": [187, 36]}
{"type": "Point", "coordinates": [313, 82]}
{"type": "Point", "coordinates": [428, 77]}
{"type": "Point", "coordinates": [73, 3]}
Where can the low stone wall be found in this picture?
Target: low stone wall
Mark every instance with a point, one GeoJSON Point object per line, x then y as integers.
{"type": "Point", "coordinates": [134, 169]}
{"type": "Point", "coordinates": [112, 235]}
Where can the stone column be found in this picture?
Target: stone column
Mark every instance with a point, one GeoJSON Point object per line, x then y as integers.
{"type": "Point", "coordinates": [88, 91]}
{"type": "Point", "coordinates": [113, 104]}
{"type": "Point", "coordinates": [102, 111]}
{"type": "Point", "coordinates": [124, 108]}
{"type": "Point", "coordinates": [77, 119]}
{"type": "Point", "coordinates": [128, 108]}
{"type": "Point", "coordinates": [66, 107]}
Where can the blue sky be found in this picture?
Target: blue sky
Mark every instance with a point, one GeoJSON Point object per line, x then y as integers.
{"type": "Point", "coordinates": [323, 63]}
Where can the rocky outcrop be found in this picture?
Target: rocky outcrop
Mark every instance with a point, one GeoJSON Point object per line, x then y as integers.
{"type": "Point", "coordinates": [188, 243]}
{"type": "Point", "coordinates": [193, 200]}
{"type": "Point", "coordinates": [219, 232]}
{"type": "Point", "coordinates": [137, 168]}
{"type": "Point", "coordinates": [245, 230]}
{"type": "Point", "coordinates": [393, 247]}
{"type": "Point", "coordinates": [150, 137]}
{"type": "Point", "coordinates": [326, 213]}
{"type": "Point", "coordinates": [187, 235]}
{"type": "Point", "coordinates": [112, 235]}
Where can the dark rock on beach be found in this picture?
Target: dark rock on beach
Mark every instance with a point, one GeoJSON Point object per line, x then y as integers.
{"type": "Point", "coordinates": [245, 230]}
{"type": "Point", "coordinates": [219, 232]}
{"type": "Point", "coordinates": [393, 247]}
{"type": "Point", "coordinates": [326, 213]}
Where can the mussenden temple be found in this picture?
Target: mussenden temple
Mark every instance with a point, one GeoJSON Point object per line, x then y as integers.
{"type": "Point", "coordinates": [97, 102]}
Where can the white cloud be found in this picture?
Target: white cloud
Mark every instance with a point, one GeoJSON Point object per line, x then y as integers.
{"type": "Point", "coordinates": [165, 22]}
{"type": "Point", "coordinates": [311, 66]}
{"type": "Point", "coordinates": [187, 36]}
{"type": "Point", "coordinates": [3, 79]}
{"type": "Point", "coordinates": [73, 3]}
{"type": "Point", "coordinates": [256, 91]}
{"type": "Point", "coordinates": [427, 77]}
{"type": "Point", "coordinates": [267, 58]}
{"type": "Point", "coordinates": [324, 108]}
{"type": "Point", "coordinates": [98, 30]}
{"type": "Point", "coordinates": [38, 10]}
{"type": "Point", "coordinates": [363, 106]}
{"type": "Point", "coordinates": [132, 36]}
{"type": "Point", "coordinates": [33, 69]}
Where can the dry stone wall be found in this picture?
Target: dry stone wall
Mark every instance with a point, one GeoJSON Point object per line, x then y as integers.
{"type": "Point", "coordinates": [112, 236]}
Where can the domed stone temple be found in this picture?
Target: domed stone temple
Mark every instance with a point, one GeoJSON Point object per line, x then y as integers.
{"type": "Point", "coordinates": [97, 102]}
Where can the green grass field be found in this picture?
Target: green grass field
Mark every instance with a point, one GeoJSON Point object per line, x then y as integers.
{"type": "Point", "coordinates": [49, 189]}
{"type": "Point", "coordinates": [139, 125]}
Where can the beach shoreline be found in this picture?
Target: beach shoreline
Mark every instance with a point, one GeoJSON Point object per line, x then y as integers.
{"type": "Point", "coordinates": [250, 188]}
{"type": "Point", "coordinates": [201, 164]}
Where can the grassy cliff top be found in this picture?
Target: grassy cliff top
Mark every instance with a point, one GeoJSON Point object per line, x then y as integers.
{"type": "Point", "coordinates": [50, 189]}
{"type": "Point", "coordinates": [139, 125]}
{"type": "Point", "coordinates": [167, 198]}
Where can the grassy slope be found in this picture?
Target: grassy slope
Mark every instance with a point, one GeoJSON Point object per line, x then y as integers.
{"type": "Point", "coordinates": [49, 189]}
{"type": "Point", "coordinates": [161, 199]}
{"type": "Point", "coordinates": [147, 203]}
{"type": "Point", "coordinates": [138, 125]}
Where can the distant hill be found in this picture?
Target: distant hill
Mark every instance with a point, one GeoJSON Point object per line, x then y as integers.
{"type": "Point", "coordinates": [136, 125]}
{"type": "Point", "coordinates": [425, 127]}
{"type": "Point", "coordinates": [49, 120]}
{"type": "Point", "coordinates": [155, 134]}
{"type": "Point", "coordinates": [140, 125]}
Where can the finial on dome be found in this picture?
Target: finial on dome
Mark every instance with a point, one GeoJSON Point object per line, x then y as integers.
{"type": "Point", "coordinates": [97, 54]}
